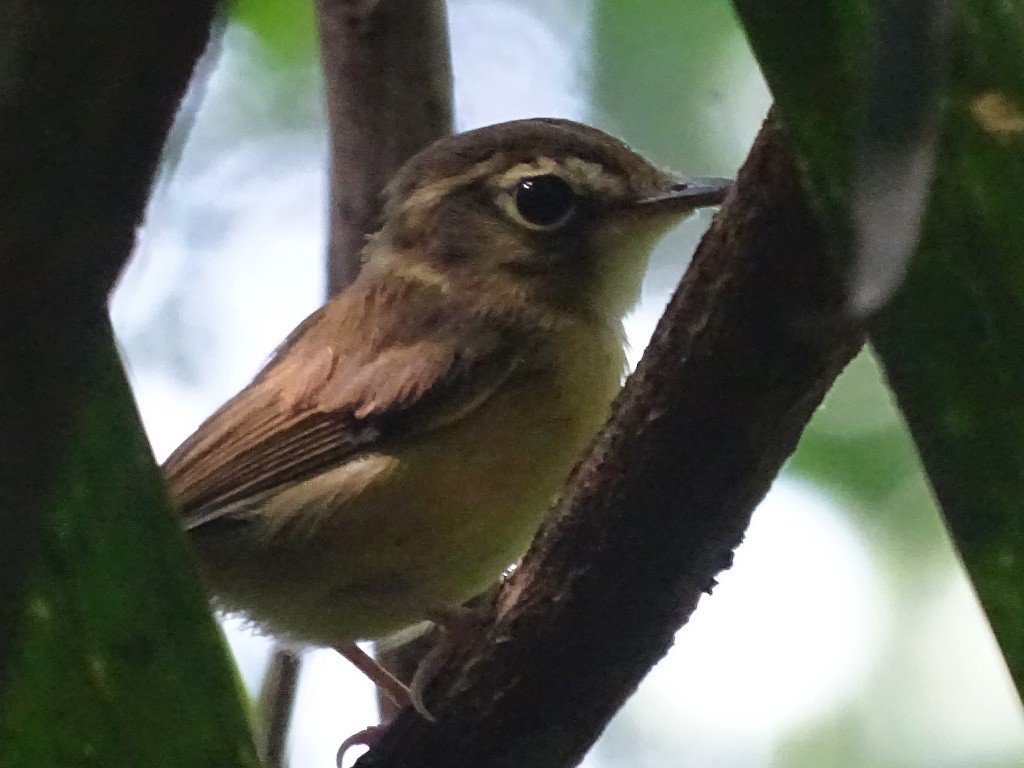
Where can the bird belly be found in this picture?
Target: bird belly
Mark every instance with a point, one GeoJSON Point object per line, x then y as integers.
{"type": "Point", "coordinates": [373, 546]}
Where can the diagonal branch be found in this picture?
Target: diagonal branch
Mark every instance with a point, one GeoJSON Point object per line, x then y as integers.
{"type": "Point", "coordinates": [749, 345]}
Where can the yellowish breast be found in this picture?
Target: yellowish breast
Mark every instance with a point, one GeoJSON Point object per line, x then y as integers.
{"type": "Point", "coordinates": [434, 521]}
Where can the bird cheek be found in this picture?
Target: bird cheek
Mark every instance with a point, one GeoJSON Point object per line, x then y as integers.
{"type": "Point", "coordinates": [511, 250]}
{"type": "Point", "coordinates": [621, 249]}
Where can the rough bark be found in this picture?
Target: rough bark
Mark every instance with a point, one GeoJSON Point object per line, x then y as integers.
{"type": "Point", "coordinates": [750, 343]}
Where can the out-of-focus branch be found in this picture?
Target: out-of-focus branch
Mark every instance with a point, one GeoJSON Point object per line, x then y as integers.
{"type": "Point", "coordinates": [387, 68]}
{"type": "Point", "coordinates": [387, 72]}
{"type": "Point", "coordinates": [87, 94]}
{"type": "Point", "coordinates": [747, 348]}
{"type": "Point", "coordinates": [389, 94]}
{"type": "Point", "coordinates": [277, 701]}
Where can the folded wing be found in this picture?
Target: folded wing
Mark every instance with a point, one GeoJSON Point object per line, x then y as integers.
{"type": "Point", "coordinates": [349, 381]}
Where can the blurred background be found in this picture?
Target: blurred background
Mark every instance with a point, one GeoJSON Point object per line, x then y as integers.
{"type": "Point", "coordinates": [846, 633]}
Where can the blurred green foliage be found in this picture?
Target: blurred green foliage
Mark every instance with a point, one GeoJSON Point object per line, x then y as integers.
{"type": "Point", "coordinates": [287, 28]}
{"type": "Point", "coordinates": [664, 77]}
{"type": "Point", "coordinates": [951, 339]}
{"type": "Point", "coordinates": [120, 661]}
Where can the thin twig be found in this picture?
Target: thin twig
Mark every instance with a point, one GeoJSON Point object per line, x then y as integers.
{"type": "Point", "coordinates": [748, 346]}
{"type": "Point", "coordinates": [277, 703]}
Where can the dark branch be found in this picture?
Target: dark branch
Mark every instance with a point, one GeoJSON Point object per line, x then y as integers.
{"type": "Point", "coordinates": [276, 705]}
{"type": "Point", "coordinates": [388, 78]}
{"type": "Point", "coordinates": [87, 94]}
{"type": "Point", "coordinates": [749, 345]}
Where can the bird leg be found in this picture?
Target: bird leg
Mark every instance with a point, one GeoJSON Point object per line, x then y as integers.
{"type": "Point", "coordinates": [459, 624]}
{"type": "Point", "coordinates": [392, 687]}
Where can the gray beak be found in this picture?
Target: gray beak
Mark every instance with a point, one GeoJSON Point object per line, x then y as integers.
{"type": "Point", "coordinates": [689, 193]}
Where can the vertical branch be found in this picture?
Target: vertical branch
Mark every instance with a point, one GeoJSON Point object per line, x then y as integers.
{"type": "Point", "coordinates": [277, 700]}
{"type": "Point", "coordinates": [389, 94]}
{"type": "Point", "coordinates": [387, 73]}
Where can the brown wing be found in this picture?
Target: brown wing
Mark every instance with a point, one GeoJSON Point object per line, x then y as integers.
{"type": "Point", "coordinates": [342, 385]}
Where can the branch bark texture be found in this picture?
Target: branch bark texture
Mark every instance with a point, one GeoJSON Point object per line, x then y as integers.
{"type": "Point", "coordinates": [87, 94]}
{"type": "Point", "coordinates": [750, 343]}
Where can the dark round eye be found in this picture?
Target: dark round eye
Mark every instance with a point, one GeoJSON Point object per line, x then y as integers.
{"type": "Point", "coordinates": [544, 201]}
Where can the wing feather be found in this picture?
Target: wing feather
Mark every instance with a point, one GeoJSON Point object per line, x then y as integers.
{"type": "Point", "coordinates": [339, 387]}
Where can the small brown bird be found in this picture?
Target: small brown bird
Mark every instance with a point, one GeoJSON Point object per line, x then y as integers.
{"type": "Point", "coordinates": [406, 440]}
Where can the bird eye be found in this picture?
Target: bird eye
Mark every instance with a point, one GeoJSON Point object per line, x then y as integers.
{"type": "Point", "coordinates": [545, 201]}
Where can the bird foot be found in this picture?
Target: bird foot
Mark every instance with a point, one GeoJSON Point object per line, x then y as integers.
{"type": "Point", "coordinates": [460, 626]}
{"type": "Point", "coordinates": [369, 737]}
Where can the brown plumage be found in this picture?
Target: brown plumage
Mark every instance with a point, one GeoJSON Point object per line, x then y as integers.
{"type": "Point", "coordinates": [354, 375]}
{"type": "Point", "coordinates": [403, 444]}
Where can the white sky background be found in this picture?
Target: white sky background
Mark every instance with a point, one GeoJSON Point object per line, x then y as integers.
{"type": "Point", "coordinates": [231, 259]}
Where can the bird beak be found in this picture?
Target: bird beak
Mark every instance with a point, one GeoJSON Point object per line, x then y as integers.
{"type": "Point", "coordinates": [685, 194]}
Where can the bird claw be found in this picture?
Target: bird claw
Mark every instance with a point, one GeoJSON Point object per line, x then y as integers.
{"type": "Point", "coordinates": [460, 625]}
{"type": "Point", "coordinates": [460, 622]}
{"type": "Point", "coordinates": [416, 688]}
{"type": "Point", "coordinates": [368, 737]}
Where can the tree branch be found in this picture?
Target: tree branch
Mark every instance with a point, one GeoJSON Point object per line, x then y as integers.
{"type": "Point", "coordinates": [750, 343]}
{"type": "Point", "coordinates": [277, 703]}
{"type": "Point", "coordinates": [387, 74]}
{"type": "Point", "coordinates": [389, 94]}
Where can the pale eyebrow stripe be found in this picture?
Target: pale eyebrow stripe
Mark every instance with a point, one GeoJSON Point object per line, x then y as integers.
{"type": "Point", "coordinates": [582, 175]}
{"type": "Point", "coordinates": [541, 165]}
{"type": "Point", "coordinates": [594, 176]}
{"type": "Point", "coordinates": [426, 195]}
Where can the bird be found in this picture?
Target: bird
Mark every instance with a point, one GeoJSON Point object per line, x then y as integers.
{"type": "Point", "coordinates": [403, 444]}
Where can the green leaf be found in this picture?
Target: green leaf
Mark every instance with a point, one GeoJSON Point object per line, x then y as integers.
{"type": "Point", "coordinates": [672, 94]}
{"type": "Point", "coordinates": [951, 341]}
{"type": "Point", "coordinates": [286, 27]}
{"type": "Point", "coordinates": [119, 662]}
